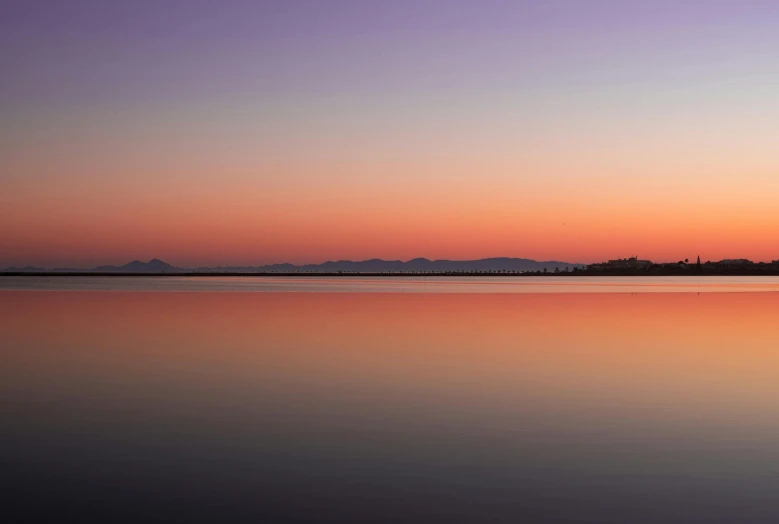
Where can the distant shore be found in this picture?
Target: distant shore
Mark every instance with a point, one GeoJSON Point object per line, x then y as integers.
{"type": "Point", "coordinates": [561, 274]}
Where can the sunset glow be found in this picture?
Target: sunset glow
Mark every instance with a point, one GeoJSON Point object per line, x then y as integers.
{"type": "Point", "coordinates": [288, 131]}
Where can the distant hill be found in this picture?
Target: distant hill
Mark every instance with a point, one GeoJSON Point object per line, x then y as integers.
{"type": "Point", "coordinates": [415, 265]}
{"type": "Point", "coordinates": [375, 265]}
{"type": "Point", "coordinates": [136, 266]}
{"type": "Point", "coordinates": [25, 269]}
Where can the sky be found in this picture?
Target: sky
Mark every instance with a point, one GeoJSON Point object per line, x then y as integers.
{"type": "Point", "coordinates": [253, 132]}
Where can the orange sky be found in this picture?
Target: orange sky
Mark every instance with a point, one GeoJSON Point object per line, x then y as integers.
{"type": "Point", "coordinates": [93, 223]}
{"type": "Point", "coordinates": [417, 132]}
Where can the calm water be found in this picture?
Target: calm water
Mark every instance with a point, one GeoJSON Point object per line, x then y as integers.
{"type": "Point", "coordinates": [399, 284]}
{"type": "Point", "coordinates": [570, 402]}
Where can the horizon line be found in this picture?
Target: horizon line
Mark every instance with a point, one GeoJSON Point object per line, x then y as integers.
{"type": "Point", "coordinates": [374, 259]}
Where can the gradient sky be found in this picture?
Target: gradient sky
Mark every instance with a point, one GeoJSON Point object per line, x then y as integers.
{"type": "Point", "coordinates": [255, 132]}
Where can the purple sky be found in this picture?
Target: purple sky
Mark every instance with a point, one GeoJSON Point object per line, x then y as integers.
{"type": "Point", "coordinates": [298, 113]}
{"type": "Point", "coordinates": [59, 52]}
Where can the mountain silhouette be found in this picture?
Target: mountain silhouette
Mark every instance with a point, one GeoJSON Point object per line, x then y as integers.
{"type": "Point", "coordinates": [154, 265]}
{"type": "Point", "coordinates": [375, 265]}
{"type": "Point", "coordinates": [25, 269]}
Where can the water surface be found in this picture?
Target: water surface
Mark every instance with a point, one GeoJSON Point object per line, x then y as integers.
{"type": "Point", "coordinates": [400, 284]}
{"type": "Point", "coordinates": [427, 407]}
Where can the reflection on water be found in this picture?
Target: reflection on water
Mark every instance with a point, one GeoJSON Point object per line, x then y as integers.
{"type": "Point", "coordinates": [399, 284]}
{"type": "Point", "coordinates": [587, 407]}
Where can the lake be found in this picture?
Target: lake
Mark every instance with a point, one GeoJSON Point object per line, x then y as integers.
{"type": "Point", "coordinates": [496, 399]}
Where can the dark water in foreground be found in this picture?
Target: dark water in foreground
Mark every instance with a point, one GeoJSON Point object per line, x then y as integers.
{"type": "Point", "coordinates": [477, 407]}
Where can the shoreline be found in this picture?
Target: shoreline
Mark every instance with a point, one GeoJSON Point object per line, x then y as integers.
{"type": "Point", "coordinates": [562, 274]}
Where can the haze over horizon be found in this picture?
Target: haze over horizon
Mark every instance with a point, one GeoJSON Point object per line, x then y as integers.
{"type": "Point", "coordinates": [157, 264]}
{"type": "Point", "coordinates": [247, 133]}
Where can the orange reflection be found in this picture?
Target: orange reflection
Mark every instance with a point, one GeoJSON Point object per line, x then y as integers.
{"type": "Point", "coordinates": [683, 352]}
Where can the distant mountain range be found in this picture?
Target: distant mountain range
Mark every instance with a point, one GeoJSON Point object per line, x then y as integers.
{"type": "Point", "coordinates": [136, 266]}
{"type": "Point", "coordinates": [347, 266]}
{"type": "Point", "coordinates": [154, 265]}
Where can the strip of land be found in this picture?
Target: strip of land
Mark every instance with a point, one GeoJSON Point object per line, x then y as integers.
{"type": "Point", "coordinates": [768, 271]}
{"type": "Point", "coordinates": [420, 267]}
